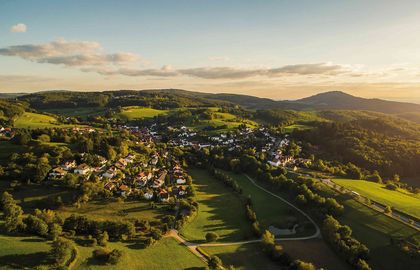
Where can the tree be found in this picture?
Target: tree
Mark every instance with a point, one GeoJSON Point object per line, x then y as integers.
{"type": "Point", "coordinates": [55, 231]}
{"type": "Point", "coordinates": [36, 225]}
{"type": "Point", "coordinates": [44, 138]}
{"type": "Point", "coordinates": [61, 250]}
{"type": "Point", "coordinates": [211, 236]}
{"type": "Point", "coordinates": [301, 265]}
{"type": "Point", "coordinates": [12, 213]}
{"type": "Point", "coordinates": [396, 178]}
{"type": "Point", "coordinates": [362, 265]}
{"type": "Point", "coordinates": [388, 210]}
{"type": "Point", "coordinates": [103, 239]}
{"type": "Point", "coordinates": [115, 256]}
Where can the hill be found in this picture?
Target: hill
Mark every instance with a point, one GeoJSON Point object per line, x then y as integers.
{"type": "Point", "coordinates": [343, 101]}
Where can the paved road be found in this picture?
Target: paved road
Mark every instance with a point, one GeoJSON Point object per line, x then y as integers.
{"type": "Point", "coordinates": [193, 246]}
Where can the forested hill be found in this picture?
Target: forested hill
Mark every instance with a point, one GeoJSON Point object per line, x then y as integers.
{"type": "Point", "coordinates": [171, 98]}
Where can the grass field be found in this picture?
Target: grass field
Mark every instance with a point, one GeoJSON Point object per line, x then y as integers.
{"type": "Point", "coordinates": [28, 252]}
{"type": "Point", "coordinates": [36, 120]}
{"type": "Point", "coordinates": [400, 199]}
{"type": "Point", "coordinates": [220, 210]}
{"type": "Point", "coordinates": [291, 128]}
{"type": "Point", "coordinates": [222, 119]}
{"type": "Point", "coordinates": [136, 112]}
{"type": "Point", "coordinates": [375, 230]}
{"type": "Point", "coordinates": [272, 211]}
{"type": "Point", "coordinates": [165, 254]}
{"type": "Point", "coordinates": [22, 252]}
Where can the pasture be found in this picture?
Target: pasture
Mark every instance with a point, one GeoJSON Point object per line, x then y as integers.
{"type": "Point", "coordinates": [399, 199]}
{"type": "Point", "coordinates": [167, 253]}
{"type": "Point", "coordinates": [23, 252]}
{"type": "Point", "coordinates": [220, 211]}
{"type": "Point", "coordinates": [35, 120]}
{"type": "Point", "coordinates": [82, 112]}
{"type": "Point", "coordinates": [137, 112]}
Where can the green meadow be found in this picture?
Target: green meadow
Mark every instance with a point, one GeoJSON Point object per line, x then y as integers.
{"type": "Point", "coordinates": [220, 211]}
{"type": "Point", "coordinates": [137, 112]}
{"type": "Point", "coordinates": [400, 199]}
{"type": "Point", "coordinates": [35, 120]}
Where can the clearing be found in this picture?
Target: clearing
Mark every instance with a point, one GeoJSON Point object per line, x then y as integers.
{"type": "Point", "coordinates": [137, 112]}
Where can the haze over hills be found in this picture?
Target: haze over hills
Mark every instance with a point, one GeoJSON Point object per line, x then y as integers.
{"type": "Point", "coordinates": [332, 100]}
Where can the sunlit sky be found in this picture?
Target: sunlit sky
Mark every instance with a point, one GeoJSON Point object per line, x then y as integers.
{"type": "Point", "coordinates": [276, 49]}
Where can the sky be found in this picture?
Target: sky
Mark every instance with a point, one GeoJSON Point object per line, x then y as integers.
{"type": "Point", "coordinates": [276, 49]}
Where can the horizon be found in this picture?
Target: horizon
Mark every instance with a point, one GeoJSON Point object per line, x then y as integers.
{"type": "Point", "coordinates": [280, 50]}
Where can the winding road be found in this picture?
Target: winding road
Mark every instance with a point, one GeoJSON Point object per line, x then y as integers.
{"type": "Point", "coordinates": [193, 246]}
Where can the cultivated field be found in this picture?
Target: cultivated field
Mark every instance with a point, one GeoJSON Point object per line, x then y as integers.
{"type": "Point", "coordinates": [400, 199]}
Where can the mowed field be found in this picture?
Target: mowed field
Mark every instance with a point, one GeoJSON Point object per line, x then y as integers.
{"type": "Point", "coordinates": [376, 230]}
{"type": "Point", "coordinates": [220, 211]}
{"type": "Point", "coordinates": [23, 252]}
{"type": "Point", "coordinates": [35, 120]}
{"type": "Point", "coordinates": [28, 252]}
{"type": "Point", "coordinates": [271, 211]}
{"type": "Point", "coordinates": [400, 199]}
{"type": "Point", "coordinates": [165, 254]}
{"type": "Point", "coordinates": [137, 112]}
{"type": "Point", "coordinates": [226, 120]}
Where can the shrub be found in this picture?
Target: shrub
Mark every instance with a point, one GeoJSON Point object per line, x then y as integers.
{"type": "Point", "coordinates": [211, 236]}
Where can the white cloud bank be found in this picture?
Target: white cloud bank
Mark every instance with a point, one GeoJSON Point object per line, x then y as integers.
{"type": "Point", "coordinates": [18, 28]}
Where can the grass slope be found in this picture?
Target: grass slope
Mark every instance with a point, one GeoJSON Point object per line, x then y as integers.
{"type": "Point", "coordinates": [77, 112]}
{"type": "Point", "coordinates": [22, 252]}
{"type": "Point", "coordinates": [400, 199]}
{"type": "Point", "coordinates": [165, 254]}
{"type": "Point", "coordinates": [220, 211]}
{"type": "Point", "coordinates": [35, 120]}
{"type": "Point", "coordinates": [137, 112]}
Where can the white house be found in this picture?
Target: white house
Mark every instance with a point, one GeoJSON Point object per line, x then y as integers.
{"type": "Point", "coordinates": [82, 169]}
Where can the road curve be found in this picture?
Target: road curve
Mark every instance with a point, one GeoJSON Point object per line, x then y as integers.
{"type": "Point", "coordinates": [193, 246]}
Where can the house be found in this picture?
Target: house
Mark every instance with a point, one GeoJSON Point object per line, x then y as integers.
{"type": "Point", "coordinates": [182, 191]}
{"type": "Point", "coordinates": [181, 181]}
{"type": "Point", "coordinates": [82, 169]}
{"type": "Point", "coordinates": [57, 173]}
{"type": "Point", "coordinates": [69, 165]}
{"type": "Point", "coordinates": [109, 186]}
{"type": "Point", "coordinates": [124, 190]}
{"type": "Point", "coordinates": [148, 195]}
{"type": "Point", "coordinates": [163, 195]}
{"type": "Point", "coordinates": [157, 183]}
{"type": "Point", "coordinates": [110, 173]}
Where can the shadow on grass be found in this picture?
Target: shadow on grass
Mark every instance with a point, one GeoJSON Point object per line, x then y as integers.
{"type": "Point", "coordinates": [32, 240]}
{"type": "Point", "coordinates": [25, 260]}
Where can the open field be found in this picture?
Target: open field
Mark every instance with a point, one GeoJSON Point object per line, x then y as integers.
{"type": "Point", "coordinates": [291, 128]}
{"type": "Point", "coordinates": [23, 252]}
{"type": "Point", "coordinates": [400, 199]}
{"type": "Point", "coordinates": [165, 254]}
{"type": "Point", "coordinates": [28, 252]}
{"type": "Point", "coordinates": [36, 120]}
{"type": "Point", "coordinates": [220, 211]}
{"type": "Point", "coordinates": [137, 112]}
{"type": "Point", "coordinates": [375, 230]}
{"type": "Point", "coordinates": [272, 211]}
{"type": "Point", "coordinates": [226, 120]}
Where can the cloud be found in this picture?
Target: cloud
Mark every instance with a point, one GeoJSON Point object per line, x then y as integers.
{"type": "Point", "coordinates": [88, 56]}
{"type": "Point", "coordinates": [219, 58]}
{"type": "Point", "coordinates": [69, 53]}
{"type": "Point", "coordinates": [18, 28]}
